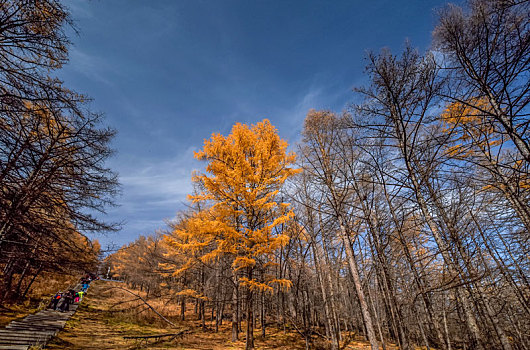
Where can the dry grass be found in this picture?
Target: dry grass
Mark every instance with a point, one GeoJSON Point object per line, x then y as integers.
{"type": "Point", "coordinates": [9, 313]}
{"type": "Point", "coordinates": [108, 314]}
{"type": "Point", "coordinates": [48, 284]}
{"type": "Point", "coordinates": [42, 289]}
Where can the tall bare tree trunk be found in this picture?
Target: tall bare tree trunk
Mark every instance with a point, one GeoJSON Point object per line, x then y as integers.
{"type": "Point", "coordinates": [354, 270]}
{"type": "Point", "coordinates": [322, 271]}
{"type": "Point", "coordinates": [235, 310]}
{"type": "Point", "coordinates": [249, 343]}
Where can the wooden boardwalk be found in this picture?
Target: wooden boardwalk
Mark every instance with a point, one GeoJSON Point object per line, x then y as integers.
{"type": "Point", "coordinates": [35, 329]}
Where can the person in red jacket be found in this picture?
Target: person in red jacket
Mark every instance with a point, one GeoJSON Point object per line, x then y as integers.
{"type": "Point", "coordinates": [54, 301]}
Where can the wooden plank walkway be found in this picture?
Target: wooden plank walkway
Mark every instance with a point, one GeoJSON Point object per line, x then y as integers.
{"type": "Point", "coordinates": [35, 329]}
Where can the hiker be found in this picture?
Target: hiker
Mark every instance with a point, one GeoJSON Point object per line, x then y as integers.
{"type": "Point", "coordinates": [84, 287]}
{"type": "Point", "coordinates": [80, 296]}
{"type": "Point", "coordinates": [73, 294]}
{"type": "Point", "coordinates": [54, 301]}
{"type": "Point", "coordinates": [63, 303]}
{"type": "Point", "coordinates": [68, 299]}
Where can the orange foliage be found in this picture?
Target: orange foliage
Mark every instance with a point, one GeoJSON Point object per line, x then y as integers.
{"type": "Point", "coordinates": [245, 172]}
{"type": "Point", "coordinates": [471, 123]}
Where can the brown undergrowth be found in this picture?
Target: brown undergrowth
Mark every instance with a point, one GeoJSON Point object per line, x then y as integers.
{"type": "Point", "coordinates": [108, 314]}
{"type": "Point", "coordinates": [37, 298]}
{"type": "Point", "coordinates": [9, 313]}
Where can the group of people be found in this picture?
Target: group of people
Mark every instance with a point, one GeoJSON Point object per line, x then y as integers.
{"type": "Point", "coordinates": [61, 300]}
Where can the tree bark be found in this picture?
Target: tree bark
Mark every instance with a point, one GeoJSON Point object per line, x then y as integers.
{"type": "Point", "coordinates": [354, 270]}
{"type": "Point", "coordinates": [249, 343]}
{"type": "Point", "coordinates": [235, 310]}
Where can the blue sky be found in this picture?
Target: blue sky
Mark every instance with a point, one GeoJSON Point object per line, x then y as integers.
{"type": "Point", "coordinates": [167, 74]}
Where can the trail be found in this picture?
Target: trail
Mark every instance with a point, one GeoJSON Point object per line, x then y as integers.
{"type": "Point", "coordinates": [35, 329]}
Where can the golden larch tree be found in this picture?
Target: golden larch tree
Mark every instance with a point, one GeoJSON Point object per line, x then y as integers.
{"type": "Point", "coordinates": [244, 174]}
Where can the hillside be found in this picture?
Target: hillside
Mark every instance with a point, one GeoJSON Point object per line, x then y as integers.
{"type": "Point", "coordinates": [108, 314]}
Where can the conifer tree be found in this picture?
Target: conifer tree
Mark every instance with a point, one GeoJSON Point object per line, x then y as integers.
{"type": "Point", "coordinates": [244, 173]}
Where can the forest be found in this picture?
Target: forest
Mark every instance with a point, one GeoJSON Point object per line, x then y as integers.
{"type": "Point", "coordinates": [404, 218]}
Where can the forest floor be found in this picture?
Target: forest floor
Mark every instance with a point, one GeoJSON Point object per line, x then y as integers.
{"type": "Point", "coordinates": [9, 313]}
{"type": "Point", "coordinates": [100, 323]}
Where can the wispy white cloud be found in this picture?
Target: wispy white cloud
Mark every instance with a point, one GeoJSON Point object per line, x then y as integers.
{"type": "Point", "coordinates": [90, 66]}
{"type": "Point", "coordinates": [154, 190]}
{"type": "Point", "coordinates": [158, 183]}
{"type": "Point", "coordinates": [319, 95]}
